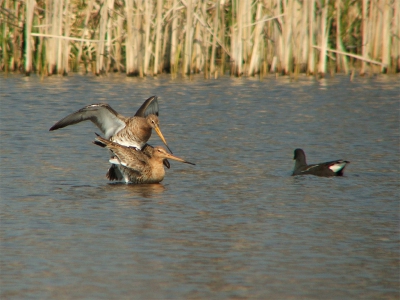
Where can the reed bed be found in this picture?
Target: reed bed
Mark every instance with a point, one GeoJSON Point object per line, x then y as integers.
{"type": "Point", "coordinates": [244, 37]}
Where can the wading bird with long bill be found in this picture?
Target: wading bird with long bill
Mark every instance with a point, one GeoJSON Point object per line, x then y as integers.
{"type": "Point", "coordinates": [138, 166]}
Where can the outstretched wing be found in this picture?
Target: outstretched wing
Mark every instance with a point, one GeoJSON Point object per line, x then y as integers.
{"type": "Point", "coordinates": [149, 107]}
{"type": "Point", "coordinates": [105, 118]}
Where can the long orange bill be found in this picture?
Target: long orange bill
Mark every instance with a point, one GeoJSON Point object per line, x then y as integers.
{"type": "Point", "coordinates": [170, 156]}
{"type": "Point", "coordinates": [158, 130]}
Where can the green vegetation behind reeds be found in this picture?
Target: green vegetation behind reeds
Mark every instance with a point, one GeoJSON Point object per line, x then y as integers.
{"type": "Point", "coordinates": [244, 37]}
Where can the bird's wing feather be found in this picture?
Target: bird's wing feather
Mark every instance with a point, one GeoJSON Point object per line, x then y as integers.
{"type": "Point", "coordinates": [337, 165]}
{"type": "Point", "coordinates": [105, 118]}
{"type": "Point", "coordinates": [150, 106]}
{"type": "Point", "coordinates": [310, 167]}
{"type": "Point", "coordinates": [129, 157]}
{"type": "Point", "coordinates": [334, 165]}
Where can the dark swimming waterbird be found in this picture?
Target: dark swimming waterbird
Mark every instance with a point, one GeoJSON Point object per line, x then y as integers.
{"type": "Point", "coordinates": [137, 166]}
{"type": "Point", "coordinates": [331, 168]}
{"type": "Point", "coordinates": [132, 132]}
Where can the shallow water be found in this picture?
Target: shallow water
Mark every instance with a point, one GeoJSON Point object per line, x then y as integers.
{"type": "Point", "coordinates": [236, 225]}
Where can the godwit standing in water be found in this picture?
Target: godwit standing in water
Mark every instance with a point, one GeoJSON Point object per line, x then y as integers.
{"type": "Point", "coordinates": [331, 168]}
{"type": "Point", "coordinates": [137, 166]}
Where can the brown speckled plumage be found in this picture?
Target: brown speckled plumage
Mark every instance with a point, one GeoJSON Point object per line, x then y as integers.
{"type": "Point", "coordinates": [134, 165]}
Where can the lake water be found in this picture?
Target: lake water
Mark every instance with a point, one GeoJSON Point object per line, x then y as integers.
{"type": "Point", "coordinates": [236, 225]}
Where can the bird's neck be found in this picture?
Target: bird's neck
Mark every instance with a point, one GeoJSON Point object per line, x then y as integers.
{"type": "Point", "coordinates": [142, 132]}
{"type": "Point", "coordinates": [299, 164]}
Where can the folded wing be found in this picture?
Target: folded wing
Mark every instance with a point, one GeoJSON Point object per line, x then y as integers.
{"type": "Point", "coordinates": [130, 158]}
{"type": "Point", "coordinates": [337, 166]}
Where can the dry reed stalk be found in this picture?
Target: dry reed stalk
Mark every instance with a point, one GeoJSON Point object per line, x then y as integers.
{"type": "Point", "coordinates": [311, 34]}
{"type": "Point", "coordinates": [103, 48]}
{"type": "Point", "coordinates": [197, 55]}
{"type": "Point", "coordinates": [102, 33]}
{"type": "Point", "coordinates": [10, 26]}
{"type": "Point", "coordinates": [276, 36]}
{"type": "Point", "coordinates": [59, 41]}
{"type": "Point", "coordinates": [158, 38]}
{"type": "Point", "coordinates": [396, 36]}
{"type": "Point", "coordinates": [239, 39]}
{"type": "Point", "coordinates": [324, 29]}
{"type": "Point", "coordinates": [51, 45]}
{"type": "Point", "coordinates": [16, 36]}
{"type": "Point", "coordinates": [47, 30]}
{"type": "Point", "coordinates": [302, 43]}
{"type": "Point", "coordinates": [63, 68]}
{"type": "Point", "coordinates": [186, 70]}
{"type": "Point", "coordinates": [40, 68]}
{"type": "Point", "coordinates": [130, 65]}
{"type": "Point", "coordinates": [295, 59]}
{"type": "Point", "coordinates": [109, 31]}
{"type": "Point", "coordinates": [237, 35]}
{"type": "Point", "coordinates": [69, 38]}
{"type": "Point", "coordinates": [205, 42]}
{"type": "Point", "coordinates": [85, 31]}
{"type": "Point", "coordinates": [207, 34]}
{"type": "Point", "coordinates": [386, 40]}
{"type": "Point", "coordinates": [365, 39]}
{"type": "Point", "coordinates": [197, 58]}
{"type": "Point", "coordinates": [255, 56]}
{"type": "Point", "coordinates": [138, 36]}
{"type": "Point", "coordinates": [214, 41]}
{"type": "Point", "coordinates": [148, 7]}
{"type": "Point", "coordinates": [354, 56]}
{"type": "Point", "coordinates": [118, 44]}
{"type": "Point", "coordinates": [371, 30]}
{"type": "Point", "coordinates": [341, 60]}
{"type": "Point", "coordinates": [30, 6]}
{"type": "Point", "coordinates": [174, 39]}
{"type": "Point", "coordinates": [287, 31]}
{"type": "Point", "coordinates": [246, 33]}
{"type": "Point", "coordinates": [4, 65]}
{"type": "Point", "coordinates": [233, 40]}
{"type": "Point", "coordinates": [377, 30]}
{"type": "Point", "coordinates": [222, 37]}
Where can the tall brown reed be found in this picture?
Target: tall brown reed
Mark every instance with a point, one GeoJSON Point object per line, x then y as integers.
{"type": "Point", "coordinates": [141, 37]}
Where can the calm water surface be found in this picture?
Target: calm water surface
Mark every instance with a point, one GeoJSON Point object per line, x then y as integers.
{"type": "Point", "coordinates": [236, 225]}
